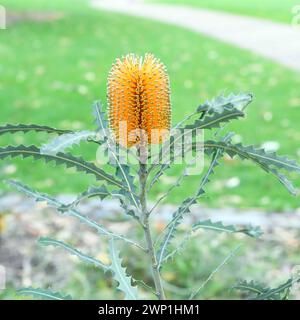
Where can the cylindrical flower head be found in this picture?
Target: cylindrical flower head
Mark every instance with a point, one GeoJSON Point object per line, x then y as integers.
{"type": "Point", "coordinates": [139, 100]}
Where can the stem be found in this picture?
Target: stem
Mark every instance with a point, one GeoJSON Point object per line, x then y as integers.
{"type": "Point", "coordinates": [145, 221]}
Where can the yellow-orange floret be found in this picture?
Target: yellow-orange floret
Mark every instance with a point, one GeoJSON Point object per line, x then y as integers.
{"type": "Point", "coordinates": [139, 100]}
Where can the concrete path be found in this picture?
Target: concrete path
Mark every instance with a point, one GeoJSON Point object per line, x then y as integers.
{"type": "Point", "coordinates": [110, 209]}
{"type": "Point", "coordinates": [276, 41]}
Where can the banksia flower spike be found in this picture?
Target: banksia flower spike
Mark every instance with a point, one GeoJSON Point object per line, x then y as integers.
{"type": "Point", "coordinates": [139, 100]}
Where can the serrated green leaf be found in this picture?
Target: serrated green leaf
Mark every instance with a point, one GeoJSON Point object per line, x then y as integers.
{"type": "Point", "coordinates": [220, 227]}
{"type": "Point", "coordinates": [254, 232]}
{"type": "Point", "coordinates": [65, 141]}
{"type": "Point", "coordinates": [10, 128]}
{"type": "Point", "coordinates": [284, 181]}
{"type": "Point", "coordinates": [185, 208]}
{"type": "Point", "coordinates": [278, 291]}
{"type": "Point", "coordinates": [216, 226]}
{"type": "Point", "coordinates": [92, 192]}
{"type": "Point", "coordinates": [257, 155]}
{"type": "Point", "coordinates": [209, 121]}
{"type": "Point", "coordinates": [52, 202]}
{"type": "Point", "coordinates": [171, 228]}
{"type": "Point", "coordinates": [262, 292]}
{"type": "Point", "coordinates": [123, 173]}
{"type": "Point", "coordinates": [251, 286]}
{"type": "Point", "coordinates": [178, 248]}
{"type": "Point", "coordinates": [221, 103]}
{"type": "Point", "coordinates": [86, 258]}
{"type": "Point", "coordinates": [270, 162]}
{"type": "Point", "coordinates": [127, 205]}
{"type": "Point", "coordinates": [60, 159]}
{"type": "Point", "coordinates": [158, 174]}
{"type": "Point", "coordinates": [102, 192]}
{"type": "Point", "coordinates": [211, 115]}
{"type": "Point", "coordinates": [255, 288]}
{"type": "Point", "coordinates": [214, 120]}
{"type": "Point", "coordinates": [119, 273]}
{"type": "Point", "coordinates": [43, 294]}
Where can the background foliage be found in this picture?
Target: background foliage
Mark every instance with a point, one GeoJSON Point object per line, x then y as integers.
{"type": "Point", "coordinates": [50, 68]}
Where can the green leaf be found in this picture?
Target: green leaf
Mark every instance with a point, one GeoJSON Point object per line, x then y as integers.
{"type": "Point", "coordinates": [119, 273]}
{"type": "Point", "coordinates": [185, 208]}
{"type": "Point", "coordinates": [216, 226]}
{"type": "Point", "coordinates": [214, 120]}
{"type": "Point", "coordinates": [100, 118]}
{"type": "Point", "coordinates": [214, 112]}
{"type": "Point", "coordinates": [269, 162]}
{"type": "Point", "coordinates": [158, 174]}
{"type": "Point", "coordinates": [43, 294]}
{"type": "Point", "coordinates": [10, 128]}
{"type": "Point", "coordinates": [220, 227]}
{"type": "Point", "coordinates": [251, 286]}
{"type": "Point", "coordinates": [102, 192]}
{"type": "Point", "coordinates": [255, 289]}
{"type": "Point", "coordinates": [122, 170]}
{"type": "Point", "coordinates": [280, 290]}
{"type": "Point", "coordinates": [59, 159]}
{"type": "Point", "coordinates": [209, 121]}
{"type": "Point", "coordinates": [64, 141]}
{"type": "Point", "coordinates": [258, 155]}
{"type": "Point", "coordinates": [231, 254]}
{"type": "Point", "coordinates": [92, 192]}
{"type": "Point", "coordinates": [178, 247]}
{"type": "Point", "coordinates": [284, 181]}
{"type": "Point", "coordinates": [254, 232]}
{"type": "Point", "coordinates": [125, 203]}
{"type": "Point", "coordinates": [171, 229]}
{"type": "Point", "coordinates": [52, 242]}
{"type": "Point", "coordinates": [52, 202]}
{"type": "Point", "coordinates": [169, 190]}
{"type": "Point", "coordinates": [261, 292]}
{"type": "Point", "coordinates": [221, 103]}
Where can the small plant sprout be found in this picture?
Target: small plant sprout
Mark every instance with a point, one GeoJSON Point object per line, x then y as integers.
{"type": "Point", "coordinates": [135, 134]}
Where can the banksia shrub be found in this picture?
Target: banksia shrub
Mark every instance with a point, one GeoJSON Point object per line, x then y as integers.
{"type": "Point", "coordinates": [138, 94]}
{"type": "Point", "coordinates": [139, 100]}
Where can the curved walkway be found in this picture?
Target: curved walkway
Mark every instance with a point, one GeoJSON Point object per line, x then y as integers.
{"type": "Point", "coordinates": [276, 41]}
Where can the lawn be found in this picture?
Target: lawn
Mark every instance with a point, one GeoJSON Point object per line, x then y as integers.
{"type": "Point", "coordinates": [276, 10]}
{"type": "Point", "coordinates": [51, 72]}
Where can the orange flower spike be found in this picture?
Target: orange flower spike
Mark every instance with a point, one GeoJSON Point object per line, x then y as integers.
{"type": "Point", "coordinates": [139, 96]}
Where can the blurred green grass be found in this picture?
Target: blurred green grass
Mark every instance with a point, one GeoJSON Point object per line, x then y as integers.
{"type": "Point", "coordinates": [276, 10]}
{"type": "Point", "coordinates": [51, 72]}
